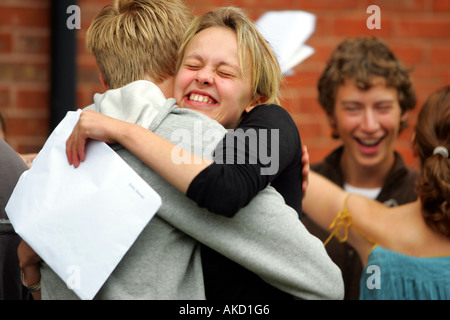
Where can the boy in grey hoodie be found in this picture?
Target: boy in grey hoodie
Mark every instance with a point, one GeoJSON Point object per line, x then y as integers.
{"type": "Point", "coordinates": [164, 263]}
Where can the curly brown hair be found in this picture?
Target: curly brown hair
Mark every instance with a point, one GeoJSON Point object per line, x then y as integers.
{"type": "Point", "coordinates": [433, 188]}
{"type": "Point", "coordinates": [362, 59]}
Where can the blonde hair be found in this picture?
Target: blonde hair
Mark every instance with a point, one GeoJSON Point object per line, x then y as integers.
{"type": "Point", "coordinates": [134, 40]}
{"type": "Point", "coordinates": [266, 73]}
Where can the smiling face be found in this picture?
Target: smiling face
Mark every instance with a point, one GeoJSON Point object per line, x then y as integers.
{"type": "Point", "coordinates": [210, 79]}
{"type": "Point", "coordinates": [368, 122]}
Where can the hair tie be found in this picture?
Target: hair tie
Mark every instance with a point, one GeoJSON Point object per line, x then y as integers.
{"type": "Point", "coordinates": [441, 150]}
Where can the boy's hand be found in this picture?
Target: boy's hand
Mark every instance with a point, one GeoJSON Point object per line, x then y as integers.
{"type": "Point", "coordinates": [29, 263]}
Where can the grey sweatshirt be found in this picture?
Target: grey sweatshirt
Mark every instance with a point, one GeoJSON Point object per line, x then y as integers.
{"type": "Point", "coordinates": [266, 236]}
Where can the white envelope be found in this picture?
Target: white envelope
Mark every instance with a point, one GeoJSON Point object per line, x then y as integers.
{"type": "Point", "coordinates": [81, 221]}
{"type": "Point", "coordinates": [286, 32]}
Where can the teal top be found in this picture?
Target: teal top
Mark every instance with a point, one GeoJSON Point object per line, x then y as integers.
{"type": "Point", "coordinates": [389, 275]}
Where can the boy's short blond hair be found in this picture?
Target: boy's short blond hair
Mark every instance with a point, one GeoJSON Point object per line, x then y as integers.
{"type": "Point", "coordinates": [266, 72]}
{"type": "Point", "coordinates": [138, 39]}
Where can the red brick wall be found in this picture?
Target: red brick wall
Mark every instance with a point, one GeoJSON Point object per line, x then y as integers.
{"type": "Point", "coordinates": [417, 30]}
{"type": "Point", "coordinates": [24, 72]}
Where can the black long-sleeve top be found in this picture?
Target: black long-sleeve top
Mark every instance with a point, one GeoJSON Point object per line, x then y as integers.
{"type": "Point", "coordinates": [224, 189]}
{"type": "Point", "coordinates": [271, 143]}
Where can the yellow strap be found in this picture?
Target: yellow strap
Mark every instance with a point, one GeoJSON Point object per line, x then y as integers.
{"type": "Point", "coordinates": [343, 219]}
